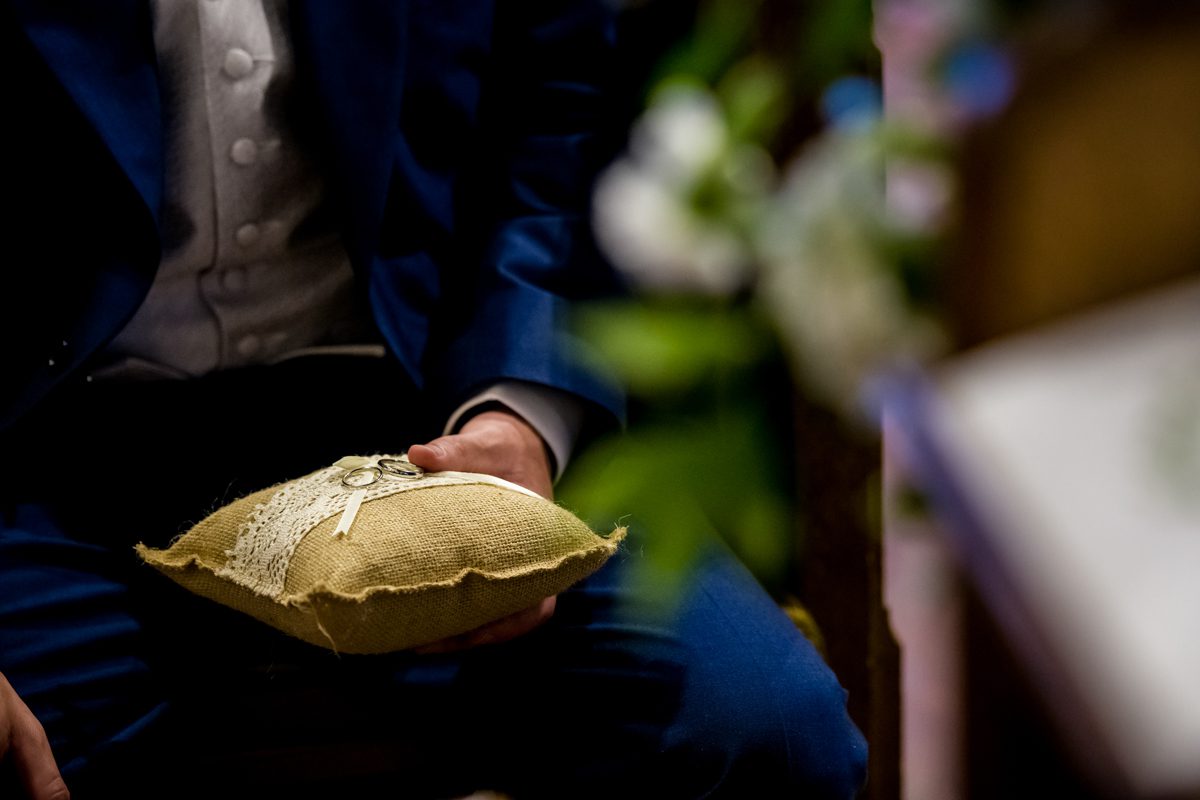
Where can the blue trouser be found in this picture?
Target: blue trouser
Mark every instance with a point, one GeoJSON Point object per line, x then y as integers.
{"type": "Point", "coordinates": [145, 690]}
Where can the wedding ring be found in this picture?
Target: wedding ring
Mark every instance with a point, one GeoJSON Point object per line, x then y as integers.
{"type": "Point", "coordinates": [399, 468]}
{"type": "Point", "coordinates": [361, 476]}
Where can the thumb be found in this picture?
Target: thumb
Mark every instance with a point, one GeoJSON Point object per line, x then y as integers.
{"type": "Point", "coordinates": [443, 453]}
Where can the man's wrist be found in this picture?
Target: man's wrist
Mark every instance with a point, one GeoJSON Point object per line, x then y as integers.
{"type": "Point", "coordinates": [555, 415]}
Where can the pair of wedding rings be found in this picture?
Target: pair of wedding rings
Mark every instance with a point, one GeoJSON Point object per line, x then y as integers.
{"type": "Point", "coordinates": [395, 468]}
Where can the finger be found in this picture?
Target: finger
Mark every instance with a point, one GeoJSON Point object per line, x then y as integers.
{"type": "Point", "coordinates": [487, 441]}
{"type": "Point", "coordinates": [502, 630]}
{"type": "Point", "coordinates": [519, 624]}
{"type": "Point", "coordinates": [495, 443]}
{"type": "Point", "coordinates": [445, 453]}
{"type": "Point", "coordinates": [33, 759]}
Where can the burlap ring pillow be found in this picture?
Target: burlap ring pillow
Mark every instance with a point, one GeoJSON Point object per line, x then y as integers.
{"type": "Point", "coordinates": [373, 555]}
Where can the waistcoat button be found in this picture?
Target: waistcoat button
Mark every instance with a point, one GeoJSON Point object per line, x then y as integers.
{"type": "Point", "coordinates": [247, 235]}
{"type": "Point", "coordinates": [238, 63]}
{"type": "Point", "coordinates": [244, 152]}
{"type": "Point", "coordinates": [248, 345]}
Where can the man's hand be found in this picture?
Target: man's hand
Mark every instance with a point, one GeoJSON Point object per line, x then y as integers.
{"type": "Point", "coordinates": [496, 443]}
{"type": "Point", "coordinates": [23, 743]}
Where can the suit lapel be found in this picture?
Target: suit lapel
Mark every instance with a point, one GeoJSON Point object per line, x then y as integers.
{"type": "Point", "coordinates": [354, 54]}
{"type": "Point", "coordinates": [103, 53]}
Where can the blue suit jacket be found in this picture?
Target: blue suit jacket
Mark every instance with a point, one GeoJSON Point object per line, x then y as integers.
{"type": "Point", "coordinates": [460, 138]}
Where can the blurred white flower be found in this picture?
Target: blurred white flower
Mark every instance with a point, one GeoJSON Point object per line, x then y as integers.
{"type": "Point", "coordinates": [682, 134]}
{"type": "Point", "coordinates": [839, 305]}
{"type": "Point", "coordinates": [689, 209]}
{"type": "Point", "coordinates": [651, 234]}
{"type": "Point", "coordinates": [647, 213]}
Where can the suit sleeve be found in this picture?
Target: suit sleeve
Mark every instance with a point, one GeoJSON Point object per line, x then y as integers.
{"type": "Point", "coordinates": [544, 118]}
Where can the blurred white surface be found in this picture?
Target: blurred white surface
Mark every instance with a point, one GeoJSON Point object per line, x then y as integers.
{"type": "Point", "coordinates": [1079, 448]}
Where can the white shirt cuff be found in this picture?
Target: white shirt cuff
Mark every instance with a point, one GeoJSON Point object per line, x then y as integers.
{"type": "Point", "coordinates": [556, 415]}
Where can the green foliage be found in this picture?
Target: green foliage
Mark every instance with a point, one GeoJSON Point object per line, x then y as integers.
{"type": "Point", "coordinates": [722, 35]}
{"type": "Point", "coordinates": [708, 456]}
{"type": "Point", "coordinates": [667, 348]}
{"type": "Point", "coordinates": [680, 484]}
{"type": "Point", "coordinates": [754, 94]}
{"type": "Point", "coordinates": [705, 461]}
{"type": "Point", "coordinates": [836, 39]}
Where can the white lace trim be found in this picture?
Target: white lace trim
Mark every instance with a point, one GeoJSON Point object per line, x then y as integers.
{"type": "Point", "coordinates": [267, 539]}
